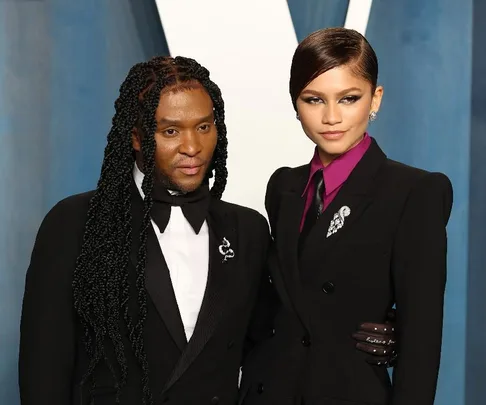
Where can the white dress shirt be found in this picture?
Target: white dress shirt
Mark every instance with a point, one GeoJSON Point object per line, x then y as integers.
{"type": "Point", "coordinates": [187, 256]}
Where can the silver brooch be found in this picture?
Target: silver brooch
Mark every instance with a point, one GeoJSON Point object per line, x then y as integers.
{"type": "Point", "coordinates": [337, 221]}
{"type": "Point", "coordinates": [226, 251]}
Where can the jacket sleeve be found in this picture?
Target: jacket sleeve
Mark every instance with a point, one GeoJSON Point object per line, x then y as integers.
{"type": "Point", "coordinates": [272, 197]}
{"type": "Point", "coordinates": [47, 343]}
{"type": "Point", "coordinates": [419, 277]}
{"type": "Point", "coordinates": [261, 321]}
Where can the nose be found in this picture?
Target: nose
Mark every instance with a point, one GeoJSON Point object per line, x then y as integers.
{"type": "Point", "coordinates": [331, 115]}
{"type": "Point", "coordinates": [191, 144]}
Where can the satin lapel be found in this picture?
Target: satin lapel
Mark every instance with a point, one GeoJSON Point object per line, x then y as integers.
{"type": "Point", "coordinates": [157, 277]}
{"type": "Point", "coordinates": [355, 194]}
{"type": "Point", "coordinates": [223, 275]}
{"type": "Point", "coordinates": [291, 208]}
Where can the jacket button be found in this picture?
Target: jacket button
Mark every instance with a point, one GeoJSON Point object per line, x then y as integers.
{"type": "Point", "coordinates": [270, 279]}
{"type": "Point", "coordinates": [231, 344]}
{"type": "Point", "coordinates": [328, 287]}
{"type": "Point", "coordinates": [273, 332]}
{"type": "Point", "coordinates": [306, 341]}
{"type": "Point", "coordinates": [260, 388]}
{"type": "Point", "coordinates": [215, 401]}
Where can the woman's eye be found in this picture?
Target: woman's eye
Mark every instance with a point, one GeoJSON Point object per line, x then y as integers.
{"type": "Point", "coordinates": [350, 99]}
{"type": "Point", "coordinates": [313, 100]}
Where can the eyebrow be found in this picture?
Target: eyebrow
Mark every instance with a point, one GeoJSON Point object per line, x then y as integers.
{"type": "Point", "coordinates": [169, 121]}
{"type": "Point", "coordinates": [318, 93]}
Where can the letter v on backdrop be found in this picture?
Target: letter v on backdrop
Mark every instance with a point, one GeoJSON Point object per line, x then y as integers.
{"type": "Point", "coordinates": [248, 45]}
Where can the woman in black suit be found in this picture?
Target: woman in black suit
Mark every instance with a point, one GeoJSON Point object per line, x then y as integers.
{"type": "Point", "coordinates": [355, 234]}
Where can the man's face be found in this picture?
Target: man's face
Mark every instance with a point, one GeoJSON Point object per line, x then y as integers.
{"type": "Point", "coordinates": [185, 138]}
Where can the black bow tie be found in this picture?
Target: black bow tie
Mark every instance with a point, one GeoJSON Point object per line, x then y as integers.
{"type": "Point", "coordinates": [194, 205]}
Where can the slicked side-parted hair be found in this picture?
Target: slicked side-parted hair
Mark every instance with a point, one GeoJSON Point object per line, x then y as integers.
{"type": "Point", "coordinates": [327, 49]}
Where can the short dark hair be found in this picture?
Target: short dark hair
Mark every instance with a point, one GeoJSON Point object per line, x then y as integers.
{"type": "Point", "coordinates": [329, 48]}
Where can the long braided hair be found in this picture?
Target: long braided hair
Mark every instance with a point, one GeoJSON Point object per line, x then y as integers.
{"type": "Point", "coordinates": [100, 282]}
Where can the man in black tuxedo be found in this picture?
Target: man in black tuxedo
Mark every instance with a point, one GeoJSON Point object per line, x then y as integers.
{"type": "Point", "coordinates": [141, 291]}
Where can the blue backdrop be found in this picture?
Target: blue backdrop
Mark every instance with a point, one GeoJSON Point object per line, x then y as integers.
{"type": "Point", "coordinates": [61, 63]}
{"type": "Point", "coordinates": [59, 78]}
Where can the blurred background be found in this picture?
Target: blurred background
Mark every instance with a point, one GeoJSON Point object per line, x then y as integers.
{"type": "Point", "coordinates": [62, 62]}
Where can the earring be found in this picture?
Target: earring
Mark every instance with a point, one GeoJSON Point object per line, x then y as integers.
{"type": "Point", "coordinates": [372, 115]}
{"type": "Point", "coordinates": [297, 116]}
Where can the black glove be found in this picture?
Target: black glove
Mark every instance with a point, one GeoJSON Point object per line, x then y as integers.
{"type": "Point", "coordinates": [378, 340]}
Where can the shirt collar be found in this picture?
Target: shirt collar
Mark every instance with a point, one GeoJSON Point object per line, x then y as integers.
{"type": "Point", "coordinates": [338, 171]}
{"type": "Point", "coordinates": [138, 177]}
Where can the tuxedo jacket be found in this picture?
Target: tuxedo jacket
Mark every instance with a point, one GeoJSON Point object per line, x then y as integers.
{"type": "Point", "coordinates": [382, 241]}
{"type": "Point", "coordinates": [204, 370]}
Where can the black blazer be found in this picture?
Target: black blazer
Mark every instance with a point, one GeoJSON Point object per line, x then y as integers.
{"type": "Point", "coordinates": [390, 249]}
{"type": "Point", "coordinates": [204, 371]}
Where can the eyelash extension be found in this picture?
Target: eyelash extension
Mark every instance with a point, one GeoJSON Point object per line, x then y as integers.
{"type": "Point", "coordinates": [311, 99]}
{"type": "Point", "coordinates": [351, 98]}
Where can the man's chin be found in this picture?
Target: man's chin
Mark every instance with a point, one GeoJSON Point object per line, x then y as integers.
{"type": "Point", "coordinates": [180, 182]}
{"type": "Point", "coordinates": [187, 186]}
{"type": "Point", "coordinates": [187, 189]}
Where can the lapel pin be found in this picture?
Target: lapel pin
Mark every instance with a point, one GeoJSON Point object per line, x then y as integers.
{"type": "Point", "coordinates": [226, 251]}
{"type": "Point", "coordinates": [337, 221]}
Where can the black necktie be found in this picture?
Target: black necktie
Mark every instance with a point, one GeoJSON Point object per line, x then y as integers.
{"type": "Point", "coordinates": [194, 205]}
{"type": "Point", "coordinates": [316, 207]}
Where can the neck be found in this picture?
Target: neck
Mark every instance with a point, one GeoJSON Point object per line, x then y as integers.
{"type": "Point", "coordinates": [327, 158]}
{"type": "Point", "coordinates": [158, 182]}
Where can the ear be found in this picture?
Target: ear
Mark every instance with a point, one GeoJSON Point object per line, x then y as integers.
{"type": "Point", "coordinates": [376, 100]}
{"type": "Point", "coordinates": [136, 140]}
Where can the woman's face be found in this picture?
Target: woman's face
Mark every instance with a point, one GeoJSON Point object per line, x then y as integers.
{"type": "Point", "coordinates": [334, 109]}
